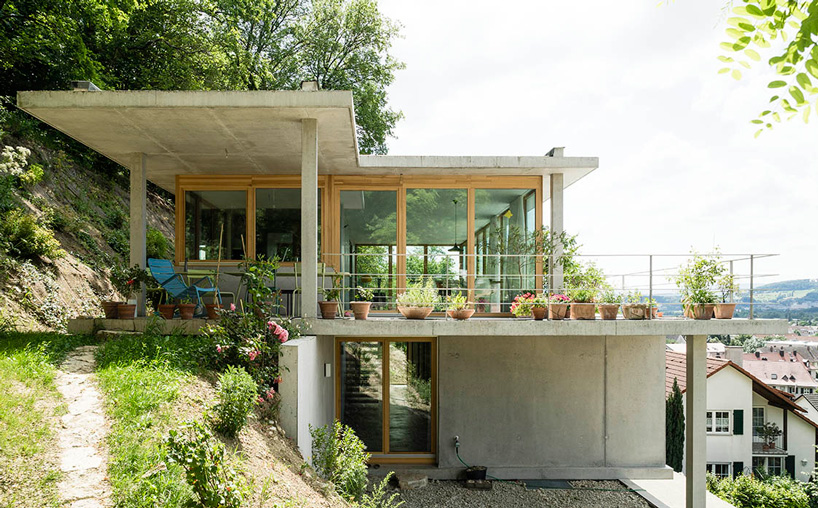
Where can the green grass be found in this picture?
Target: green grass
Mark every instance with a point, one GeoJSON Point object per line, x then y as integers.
{"type": "Point", "coordinates": [28, 399]}
{"type": "Point", "coordinates": [142, 377]}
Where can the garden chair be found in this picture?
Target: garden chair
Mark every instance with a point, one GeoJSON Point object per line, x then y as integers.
{"type": "Point", "coordinates": [162, 270]}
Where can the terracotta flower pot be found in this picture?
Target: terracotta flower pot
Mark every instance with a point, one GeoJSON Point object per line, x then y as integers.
{"type": "Point", "coordinates": [539, 313]}
{"type": "Point", "coordinates": [703, 310]}
{"type": "Point", "coordinates": [126, 311]}
{"type": "Point", "coordinates": [111, 309]}
{"type": "Point", "coordinates": [725, 310]}
{"type": "Point", "coordinates": [654, 312]}
{"type": "Point", "coordinates": [558, 311]}
{"type": "Point", "coordinates": [360, 309]}
{"type": "Point", "coordinates": [167, 310]}
{"type": "Point", "coordinates": [213, 310]}
{"type": "Point", "coordinates": [186, 310]}
{"type": "Point", "coordinates": [415, 312]}
{"type": "Point", "coordinates": [608, 311]}
{"type": "Point", "coordinates": [634, 310]}
{"type": "Point", "coordinates": [328, 309]}
{"type": "Point", "coordinates": [583, 311]}
{"type": "Point", "coordinates": [461, 314]}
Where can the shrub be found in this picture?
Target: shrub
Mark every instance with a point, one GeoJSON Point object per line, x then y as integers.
{"type": "Point", "coordinates": [378, 498]}
{"type": "Point", "coordinates": [236, 394]}
{"type": "Point", "coordinates": [748, 492]}
{"type": "Point", "coordinates": [214, 482]}
{"type": "Point", "coordinates": [157, 246]}
{"type": "Point", "coordinates": [22, 237]}
{"type": "Point", "coordinates": [338, 456]}
{"type": "Point", "coordinates": [32, 176]}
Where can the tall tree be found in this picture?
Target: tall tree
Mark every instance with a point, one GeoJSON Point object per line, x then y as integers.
{"type": "Point", "coordinates": [788, 31]}
{"type": "Point", "coordinates": [674, 428]}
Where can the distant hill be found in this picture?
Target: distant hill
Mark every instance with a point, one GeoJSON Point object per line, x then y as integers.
{"type": "Point", "coordinates": [791, 285]}
{"type": "Point", "coordinates": [791, 299]}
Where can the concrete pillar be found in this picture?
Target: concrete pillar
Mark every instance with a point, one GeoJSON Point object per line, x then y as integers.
{"type": "Point", "coordinates": [695, 432]}
{"type": "Point", "coordinates": [557, 186]}
{"type": "Point", "coordinates": [309, 217]}
{"type": "Point", "coordinates": [138, 223]}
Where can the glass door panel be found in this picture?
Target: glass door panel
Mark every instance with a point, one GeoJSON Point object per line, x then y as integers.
{"type": "Point", "coordinates": [361, 372]}
{"type": "Point", "coordinates": [410, 397]}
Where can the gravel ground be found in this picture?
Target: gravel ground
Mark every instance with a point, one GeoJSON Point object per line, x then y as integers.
{"type": "Point", "coordinates": [452, 494]}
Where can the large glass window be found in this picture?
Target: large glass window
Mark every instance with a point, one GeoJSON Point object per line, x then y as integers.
{"type": "Point", "coordinates": [211, 216]}
{"type": "Point", "coordinates": [369, 235]}
{"type": "Point", "coordinates": [278, 223]}
{"type": "Point", "coordinates": [503, 226]}
{"type": "Point", "coordinates": [436, 237]}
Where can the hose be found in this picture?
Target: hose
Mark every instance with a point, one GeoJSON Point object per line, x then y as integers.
{"type": "Point", "coordinates": [457, 452]}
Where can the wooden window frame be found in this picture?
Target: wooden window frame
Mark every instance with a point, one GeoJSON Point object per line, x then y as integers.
{"type": "Point", "coordinates": [381, 457]}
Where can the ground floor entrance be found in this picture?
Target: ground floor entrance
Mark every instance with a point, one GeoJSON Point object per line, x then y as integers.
{"type": "Point", "coordinates": [386, 392]}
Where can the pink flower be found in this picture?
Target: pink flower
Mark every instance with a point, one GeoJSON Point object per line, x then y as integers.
{"type": "Point", "coordinates": [271, 393]}
{"type": "Point", "coordinates": [271, 325]}
{"type": "Point", "coordinates": [253, 354]}
{"type": "Point", "coordinates": [218, 349]}
{"type": "Point", "coordinates": [278, 380]}
{"type": "Point", "coordinates": [283, 336]}
{"type": "Point", "coordinates": [260, 400]}
{"type": "Point", "coordinates": [232, 306]}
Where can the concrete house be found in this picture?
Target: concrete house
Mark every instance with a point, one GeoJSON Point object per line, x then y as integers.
{"type": "Point", "coordinates": [280, 172]}
{"type": "Point", "coordinates": [738, 404]}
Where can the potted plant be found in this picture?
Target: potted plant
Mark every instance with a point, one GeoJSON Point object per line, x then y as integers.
{"type": "Point", "coordinates": [186, 307]}
{"type": "Point", "coordinates": [558, 306]}
{"type": "Point", "coordinates": [129, 282]}
{"type": "Point", "coordinates": [633, 307]}
{"type": "Point", "coordinates": [419, 299]}
{"type": "Point", "coordinates": [697, 279]}
{"type": "Point", "coordinates": [653, 307]}
{"type": "Point", "coordinates": [459, 307]}
{"type": "Point", "coordinates": [727, 287]}
{"type": "Point", "coordinates": [608, 305]}
{"type": "Point", "coordinates": [110, 306]}
{"type": "Point", "coordinates": [769, 432]}
{"type": "Point", "coordinates": [166, 310]}
{"type": "Point", "coordinates": [522, 305]}
{"type": "Point", "coordinates": [539, 307]}
{"type": "Point", "coordinates": [582, 303]}
{"type": "Point", "coordinates": [213, 309]}
{"type": "Point", "coordinates": [329, 307]}
{"type": "Point", "coordinates": [363, 301]}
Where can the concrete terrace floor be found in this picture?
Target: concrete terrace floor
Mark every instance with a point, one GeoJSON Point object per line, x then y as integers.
{"type": "Point", "coordinates": [670, 493]}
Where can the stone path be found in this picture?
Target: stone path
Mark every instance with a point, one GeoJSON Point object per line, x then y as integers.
{"type": "Point", "coordinates": [82, 434]}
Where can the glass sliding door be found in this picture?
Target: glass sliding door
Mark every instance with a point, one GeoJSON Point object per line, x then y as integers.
{"type": "Point", "coordinates": [211, 216]}
{"type": "Point", "coordinates": [278, 223]}
{"type": "Point", "coordinates": [369, 237]}
{"type": "Point", "coordinates": [504, 227]}
{"type": "Point", "coordinates": [400, 372]}
{"type": "Point", "coordinates": [437, 237]}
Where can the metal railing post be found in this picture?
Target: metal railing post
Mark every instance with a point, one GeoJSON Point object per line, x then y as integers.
{"type": "Point", "coordinates": [751, 285]}
{"type": "Point", "coordinates": [731, 278]}
{"type": "Point", "coordinates": [650, 287]}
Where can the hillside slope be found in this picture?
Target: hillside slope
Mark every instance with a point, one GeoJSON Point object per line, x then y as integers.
{"type": "Point", "coordinates": [85, 204]}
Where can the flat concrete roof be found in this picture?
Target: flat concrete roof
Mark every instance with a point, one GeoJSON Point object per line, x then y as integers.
{"type": "Point", "coordinates": [242, 132]}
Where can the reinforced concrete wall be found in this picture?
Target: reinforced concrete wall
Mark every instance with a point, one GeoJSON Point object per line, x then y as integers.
{"type": "Point", "coordinates": [572, 407]}
{"type": "Point", "coordinates": [306, 394]}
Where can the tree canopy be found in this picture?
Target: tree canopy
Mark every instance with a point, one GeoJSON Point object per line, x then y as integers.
{"type": "Point", "coordinates": [206, 45]}
{"type": "Point", "coordinates": [788, 30]}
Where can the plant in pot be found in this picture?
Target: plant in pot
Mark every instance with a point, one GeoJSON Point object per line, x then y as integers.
{"type": "Point", "coordinates": [419, 299]}
{"type": "Point", "coordinates": [166, 310]}
{"type": "Point", "coordinates": [728, 289]}
{"type": "Point", "coordinates": [213, 309]}
{"type": "Point", "coordinates": [329, 307]}
{"type": "Point", "coordinates": [582, 303]}
{"type": "Point", "coordinates": [696, 280]}
{"type": "Point", "coordinates": [608, 304]}
{"type": "Point", "coordinates": [187, 307]}
{"type": "Point", "coordinates": [633, 307]}
{"type": "Point", "coordinates": [459, 307]}
{"type": "Point", "coordinates": [129, 282]}
{"type": "Point", "coordinates": [769, 432]}
{"type": "Point", "coordinates": [362, 302]}
{"type": "Point", "coordinates": [522, 305]}
{"type": "Point", "coordinates": [558, 306]}
{"type": "Point", "coordinates": [653, 307]}
{"type": "Point", "coordinates": [110, 306]}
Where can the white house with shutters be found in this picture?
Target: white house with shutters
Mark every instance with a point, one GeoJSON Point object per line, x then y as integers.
{"type": "Point", "coordinates": [738, 404]}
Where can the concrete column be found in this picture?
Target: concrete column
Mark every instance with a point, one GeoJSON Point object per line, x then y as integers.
{"type": "Point", "coordinates": [309, 217]}
{"type": "Point", "coordinates": [557, 187]}
{"type": "Point", "coordinates": [139, 221]}
{"type": "Point", "coordinates": [695, 432]}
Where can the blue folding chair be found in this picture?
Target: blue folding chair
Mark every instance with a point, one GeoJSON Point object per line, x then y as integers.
{"type": "Point", "coordinates": [163, 272]}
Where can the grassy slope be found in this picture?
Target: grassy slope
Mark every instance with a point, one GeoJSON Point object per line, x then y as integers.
{"type": "Point", "coordinates": [29, 405]}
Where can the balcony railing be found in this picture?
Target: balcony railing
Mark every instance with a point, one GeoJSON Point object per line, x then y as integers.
{"type": "Point", "coordinates": [772, 446]}
{"type": "Point", "coordinates": [491, 281]}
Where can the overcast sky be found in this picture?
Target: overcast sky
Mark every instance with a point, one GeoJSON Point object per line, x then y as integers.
{"type": "Point", "coordinates": [634, 84]}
